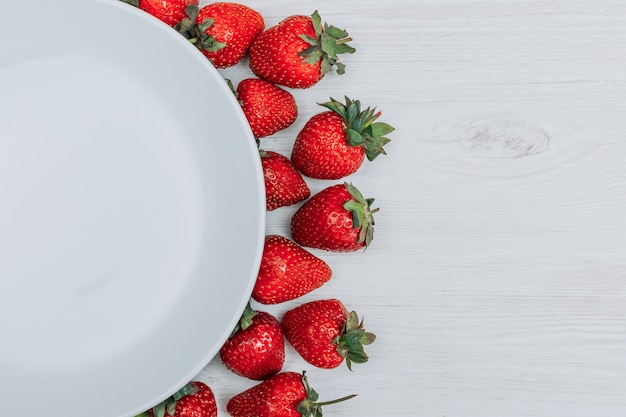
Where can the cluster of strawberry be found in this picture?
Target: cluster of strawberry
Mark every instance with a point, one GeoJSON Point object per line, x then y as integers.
{"type": "Point", "coordinates": [295, 53]}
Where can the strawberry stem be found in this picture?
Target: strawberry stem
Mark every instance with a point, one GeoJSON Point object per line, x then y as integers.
{"type": "Point", "coordinates": [338, 400]}
{"type": "Point", "coordinates": [310, 407]}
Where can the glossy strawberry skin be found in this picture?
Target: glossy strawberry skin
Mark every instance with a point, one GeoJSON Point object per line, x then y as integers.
{"type": "Point", "coordinates": [322, 222]}
{"type": "Point", "coordinates": [311, 328]}
{"type": "Point", "coordinates": [236, 25]}
{"type": "Point", "coordinates": [170, 12]}
{"type": "Point", "coordinates": [284, 185]}
{"type": "Point", "coordinates": [274, 54]}
{"type": "Point", "coordinates": [321, 150]}
{"type": "Point", "coordinates": [257, 352]}
{"type": "Point", "coordinates": [201, 403]}
{"type": "Point", "coordinates": [287, 272]}
{"type": "Point", "coordinates": [267, 107]}
{"type": "Point", "coordinates": [277, 396]}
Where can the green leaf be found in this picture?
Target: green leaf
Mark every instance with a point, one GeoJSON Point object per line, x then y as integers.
{"type": "Point", "coordinates": [368, 338]}
{"type": "Point", "coordinates": [206, 24]}
{"type": "Point", "coordinates": [344, 48]}
{"type": "Point", "coordinates": [185, 27]}
{"type": "Point", "coordinates": [185, 390]}
{"type": "Point", "coordinates": [212, 45]}
{"type": "Point", "coordinates": [312, 55]}
{"type": "Point", "coordinates": [335, 106]}
{"type": "Point", "coordinates": [354, 207]}
{"type": "Point", "coordinates": [131, 2]}
{"type": "Point", "coordinates": [159, 410]}
{"type": "Point", "coordinates": [375, 147]}
{"type": "Point", "coordinates": [336, 32]}
{"type": "Point", "coordinates": [341, 68]}
{"type": "Point", "coordinates": [354, 192]}
{"type": "Point", "coordinates": [328, 45]}
{"type": "Point", "coordinates": [327, 66]}
{"type": "Point", "coordinates": [357, 357]}
{"type": "Point", "coordinates": [352, 322]}
{"type": "Point", "coordinates": [312, 394]}
{"type": "Point", "coordinates": [309, 40]}
{"type": "Point", "coordinates": [354, 138]}
{"type": "Point", "coordinates": [317, 22]}
{"type": "Point", "coordinates": [380, 129]}
{"type": "Point", "coordinates": [192, 11]}
{"type": "Point", "coordinates": [354, 108]}
{"type": "Point", "coordinates": [171, 408]}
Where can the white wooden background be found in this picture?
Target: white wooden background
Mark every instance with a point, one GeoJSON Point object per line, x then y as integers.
{"type": "Point", "coordinates": [496, 282]}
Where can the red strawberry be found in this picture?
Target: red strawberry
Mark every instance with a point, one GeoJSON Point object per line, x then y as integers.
{"type": "Point", "coordinates": [267, 107]}
{"type": "Point", "coordinates": [284, 186]}
{"type": "Point", "coordinates": [298, 51]}
{"type": "Point", "coordinates": [256, 349]}
{"type": "Point", "coordinates": [337, 218]}
{"type": "Point", "coordinates": [193, 400]}
{"type": "Point", "coordinates": [333, 144]}
{"type": "Point", "coordinates": [287, 394]}
{"type": "Point", "coordinates": [324, 334]}
{"type": "Point", "coordinates": [223, 31]}
{"type": "Point", "coordinates": [287, 271]}
{"type": "Point", "coordinates": [169, 11]}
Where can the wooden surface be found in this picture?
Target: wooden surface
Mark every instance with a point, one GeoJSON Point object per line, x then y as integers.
{"type": "Point", "coordinates": [496, 282]}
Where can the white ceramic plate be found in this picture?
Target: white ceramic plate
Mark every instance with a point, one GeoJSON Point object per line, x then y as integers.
{"type": "Point", "coordinates": [132, 209]}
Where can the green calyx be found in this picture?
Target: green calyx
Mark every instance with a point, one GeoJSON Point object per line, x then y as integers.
{"type": "Point", "coordinates": [131, 2]}
{"type": "Point", "coordinates": [328, 43]}
{"type": "Point", "coordinates": [310, 407]}
{"type": "Point", "coordinates": [352, 339]}
{"type": "Point", "coordinates": [362, 213]}
{"type": "Point", "coordinates": [169, 404]}
{"type": "Point", "coordinates": [245, 320]}
{"type": "Point", "coordinates": [196, 33]}
{"type": "Point", "coordinates": [361, 126]}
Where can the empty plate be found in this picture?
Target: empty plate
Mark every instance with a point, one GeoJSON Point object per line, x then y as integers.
{"type": "Point", "coordinates": [132, 214]}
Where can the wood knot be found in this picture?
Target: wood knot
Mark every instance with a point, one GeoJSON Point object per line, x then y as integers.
{"type": "Point", "coordinates": [500, 137]}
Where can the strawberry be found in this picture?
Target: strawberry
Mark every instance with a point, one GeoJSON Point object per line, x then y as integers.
{"type": "Point", "coordinates": [195, 399]}
{"type": "Point", "coordinates": [333, 144]}
{"type": "Point", "coordinates": [284, 186]}
{"type": "Point", "coordinates": [256, 348]}
{"type": "Point", "coordinates": [287, 271]}
{"type": "Point", "coordinates": [223, 31]}
{"type": "Point", "coordinates": [267, 107]}
{"type": "Point", "coordinates": [324, 333]}
{"type": "Point", "coordinates": [169, 11]}
{"type": "Point", "coordinates": [287, 394]}
{"type": "Point", "coordinates": [337, 218]}
{"type": "Point", "coordinates": [298, 51]}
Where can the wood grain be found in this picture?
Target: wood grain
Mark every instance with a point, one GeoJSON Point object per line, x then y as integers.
{"type": "Point", "coordinates": [496, 278]}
